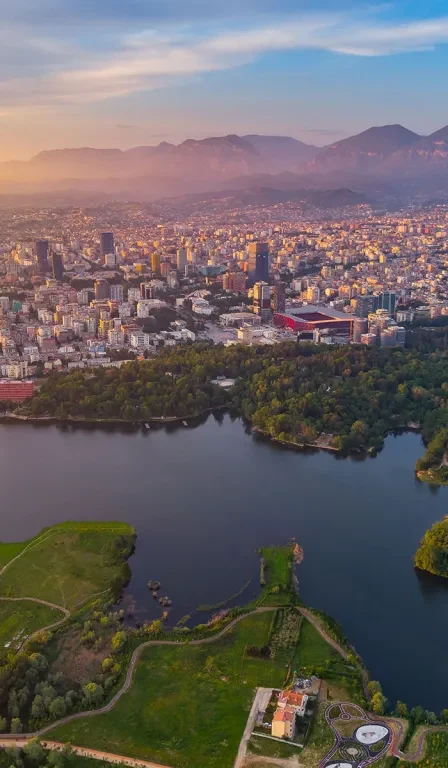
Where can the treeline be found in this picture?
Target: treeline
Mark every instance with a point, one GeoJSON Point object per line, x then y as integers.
{"type": "Point", "coordinates": [432, 555]}
{"type": "Point", "coordinates": [293, 392]}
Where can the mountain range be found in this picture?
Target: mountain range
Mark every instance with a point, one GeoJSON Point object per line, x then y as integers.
{"type": "Point", "coordinates": [375, 161]}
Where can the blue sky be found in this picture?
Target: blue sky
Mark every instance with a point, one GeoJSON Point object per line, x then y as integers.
{"type": "Point", "coordinates": [128, 72]}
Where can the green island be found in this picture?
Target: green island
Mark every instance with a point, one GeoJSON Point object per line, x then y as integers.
{"type": "Point", "coordinates": [75, 678]}
{"type": "Point", "coordinates": [343, 398]}
{"type": "Point", "coordinates": [432, 554]}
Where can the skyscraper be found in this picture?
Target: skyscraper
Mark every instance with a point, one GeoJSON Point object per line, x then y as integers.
{"type": "Point", "coordinates": [42, 249]}
{"type": "Point", "coordinates": [182, 259]}
{"type": "Point", "coordinates": [101, 290]}
{"type": "Point", "coordinates": [57, 266]}
{"type": "Point", "coordinates": [279, 297]}
{"type": "Point", "coordinates": [262, 300]}
{"type": "Point", "coordinates": [258, 263]}
{"type": "Point", "coordinates": [155, 262]}
{"type": "Point", "coordinates": [387, 301]}
{"type": "Point", "coordinates": [107, 244]}
{"type": "Point", "coordinates": [365, 305]}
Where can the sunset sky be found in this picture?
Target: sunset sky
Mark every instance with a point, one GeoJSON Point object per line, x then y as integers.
{"type": "Point", "coordinates": [120, 73]}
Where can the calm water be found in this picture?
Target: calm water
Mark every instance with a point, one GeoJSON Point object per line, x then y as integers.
{"type": "Point", "coordinates": [203, 500]}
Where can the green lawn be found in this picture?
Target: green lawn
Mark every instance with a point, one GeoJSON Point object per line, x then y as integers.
{"type": "Point", "coordinates": [436, 753]}
{"type": "Point", "coordinates": [259, 746]}
{"type": "Point", "coordinates": [314, 652]}
{"type": "Point", "coordinates": [312, 649]}
{"type": "Point", "coordinates": [65, 564]}
{"type": "Point", "coordinates": [18, 620]}
{"type": "Point", "coordinates": [278, 563]}
{"type": "Point", "coordinates": [188, 706]}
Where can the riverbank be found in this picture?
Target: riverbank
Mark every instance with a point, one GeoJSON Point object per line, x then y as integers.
{"type": "Point", "coordinates": [11, 416]}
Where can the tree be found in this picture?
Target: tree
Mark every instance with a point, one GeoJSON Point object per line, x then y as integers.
{"type": "Point", "coordinates": [374, 687]}
{"type": "Point", "coordinates": [93, 693]}
{"type": "Point", "coordinates": [16, 725]}
{"type": "Point", "coordinates": [3, 724]}
{"type": "Point", "coordinates": [378, 703]}
{"type": "Point", "coordinates": [39, 661]}
{"type": "Point", "coordinates": [38, 707]}
{"type": "Point", "coordinates": [58, 707]}
{"type": "Point", "coordinates": [108, 662]}
{"type": "Point", "coordinates": [444, 715]}
{"type": "Point", "coordinates": [118, 641]}
{"type": "Point", "coordinates": [34, 751]}
{"type": "Point", "coordinates": [401, 709]}
{"type": "Point", "coordinates": [431, 718]}
{"type": "Point", "coordinates": [417, 715]}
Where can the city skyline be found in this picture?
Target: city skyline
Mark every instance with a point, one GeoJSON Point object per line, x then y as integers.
{"type": "Point", "coordinates": [112, 76]}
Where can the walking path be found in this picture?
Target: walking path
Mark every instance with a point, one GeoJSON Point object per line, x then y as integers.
{"type": "Point", "coordinates": [419, 751]}
{"type": "Point", "coordinates": [107, 757]}
{"type": "Point", "coordinates": [261, 692]}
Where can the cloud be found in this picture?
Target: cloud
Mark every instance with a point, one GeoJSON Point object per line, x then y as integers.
{"type": "Point", "coordinates": [78, 71]}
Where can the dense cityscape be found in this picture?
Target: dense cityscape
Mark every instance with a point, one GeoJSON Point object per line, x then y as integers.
{"type": "Point", "coordinates": [76, 296]}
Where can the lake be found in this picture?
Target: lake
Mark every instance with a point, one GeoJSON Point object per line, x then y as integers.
{"type": "Point", "coordinates": [204, 499]}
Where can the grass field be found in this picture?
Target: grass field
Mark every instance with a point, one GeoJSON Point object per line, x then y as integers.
{"type": "Point", "coordinates": [18, 620]}
{"type": "Point", "coordinates": [314, 652]}
{"type": "Point", "coordinates": [278, 563]}
{"type": "Point", "coordinates": [436, 753]}
{"type": "Point", "coordinates": [65, 564]}
{"type": "Point", "coordinates": [268, 748]}
{"type": "Point", "coordinates": [188, 706]}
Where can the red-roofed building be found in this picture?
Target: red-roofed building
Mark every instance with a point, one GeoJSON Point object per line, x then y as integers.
{"type": "Point", "coordinates": [283, 723]}
{"type": "Point", "coordinates": [17, 391]}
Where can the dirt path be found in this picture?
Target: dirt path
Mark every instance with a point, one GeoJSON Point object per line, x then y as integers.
{"type": "Point", "coordinates": [29, 546]}
{"type": "Point", "coordinates": [242, 749]}
{"type": "Point", "coordinates": [260, 760]}
{"type": "Point", "coordinates": [324, 633]}
{"type": "Point", "coordinates": [134, 659]}
{"type": "Point", "coordinates": [107, 757]}
{"type": "Point", "coordinates": [419, 750]}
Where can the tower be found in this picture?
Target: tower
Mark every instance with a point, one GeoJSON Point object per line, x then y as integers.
{"type": "Point", "coordinates": [57, 266]}
{"type": "Point", "coordinates": [42, 250]}
{"type": "Point", "coordinates": [258, 263]}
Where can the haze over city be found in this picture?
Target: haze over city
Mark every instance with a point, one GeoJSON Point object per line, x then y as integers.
{"type": "Point", "coordinates": [111, 74]}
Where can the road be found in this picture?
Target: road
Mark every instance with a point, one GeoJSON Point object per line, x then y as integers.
{"type": "Point", "coordinates": [241, 755]}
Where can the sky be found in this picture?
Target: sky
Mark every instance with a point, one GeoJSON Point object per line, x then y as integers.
{"type": "Point", "coordinates": [122, 73]}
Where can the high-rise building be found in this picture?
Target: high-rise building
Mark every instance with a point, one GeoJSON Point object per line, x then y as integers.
{"type": "Point", "coordinates": [234, 281]}
{"type": "Point", "coordinates": [360, 327]}
{"type": "Point", "coordinates": [387, 301]}
{"type": "Point", "coordinates": [182, 259]}
{"type": "Point", "coordinates": [116, 292]}
{"type": "Point", "coordinates": [101, 290]}
{"type": "Point", "coordinates": [57, 266]}
{"type": "Point", "coordinates": [155, 262]}
{"type": "Point", "coordinates": [107, 244]}
{"type": "Point", "coordinates": [279, 297]}
{"type": "Point", "coordinates": [365, 305]}
{"type": "Point", "coordinates": [262, 300]}
{"type": "Point", "coordinates": [42, 250]}
{"type": "Point", "coordinates": [258, 263]}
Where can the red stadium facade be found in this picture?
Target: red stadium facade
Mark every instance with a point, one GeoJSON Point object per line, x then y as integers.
{"type": "Point", "coordinates": [17, 391]}
{"type": "Point", "coordinates": [310, 319]}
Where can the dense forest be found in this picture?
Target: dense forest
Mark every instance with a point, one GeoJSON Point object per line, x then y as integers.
{"type": "Point", "coordinates": [432, 555]}
{"type": "Point", "coordinates": [352, 395]}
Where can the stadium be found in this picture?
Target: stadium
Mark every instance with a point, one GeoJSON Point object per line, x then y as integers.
{"type": "Point", "coordinates": [310, 318]}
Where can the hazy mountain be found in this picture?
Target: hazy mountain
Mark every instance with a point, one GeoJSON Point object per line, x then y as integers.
{"type": "Point", "coordinates": [388, 162]}
{"type": "Point", "coordinates": [213, 159]}
{"type": "Point", "coordinates": [364, 152]}
{"type": "Point", "coordinates": [282, 152]}
{"type": "Point", "coordinates": [429, 155]}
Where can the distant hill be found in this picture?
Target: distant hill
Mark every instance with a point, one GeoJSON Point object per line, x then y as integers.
{"type": "Point", "coordinates": [364, 152]}
{"type": "Point", "coordinates": [259, 197]}
{"type": "Point", "coordinates": [387, 163]}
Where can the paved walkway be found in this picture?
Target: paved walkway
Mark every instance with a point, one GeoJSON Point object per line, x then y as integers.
{"type": "Point", "coordinates": [256, 706]}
